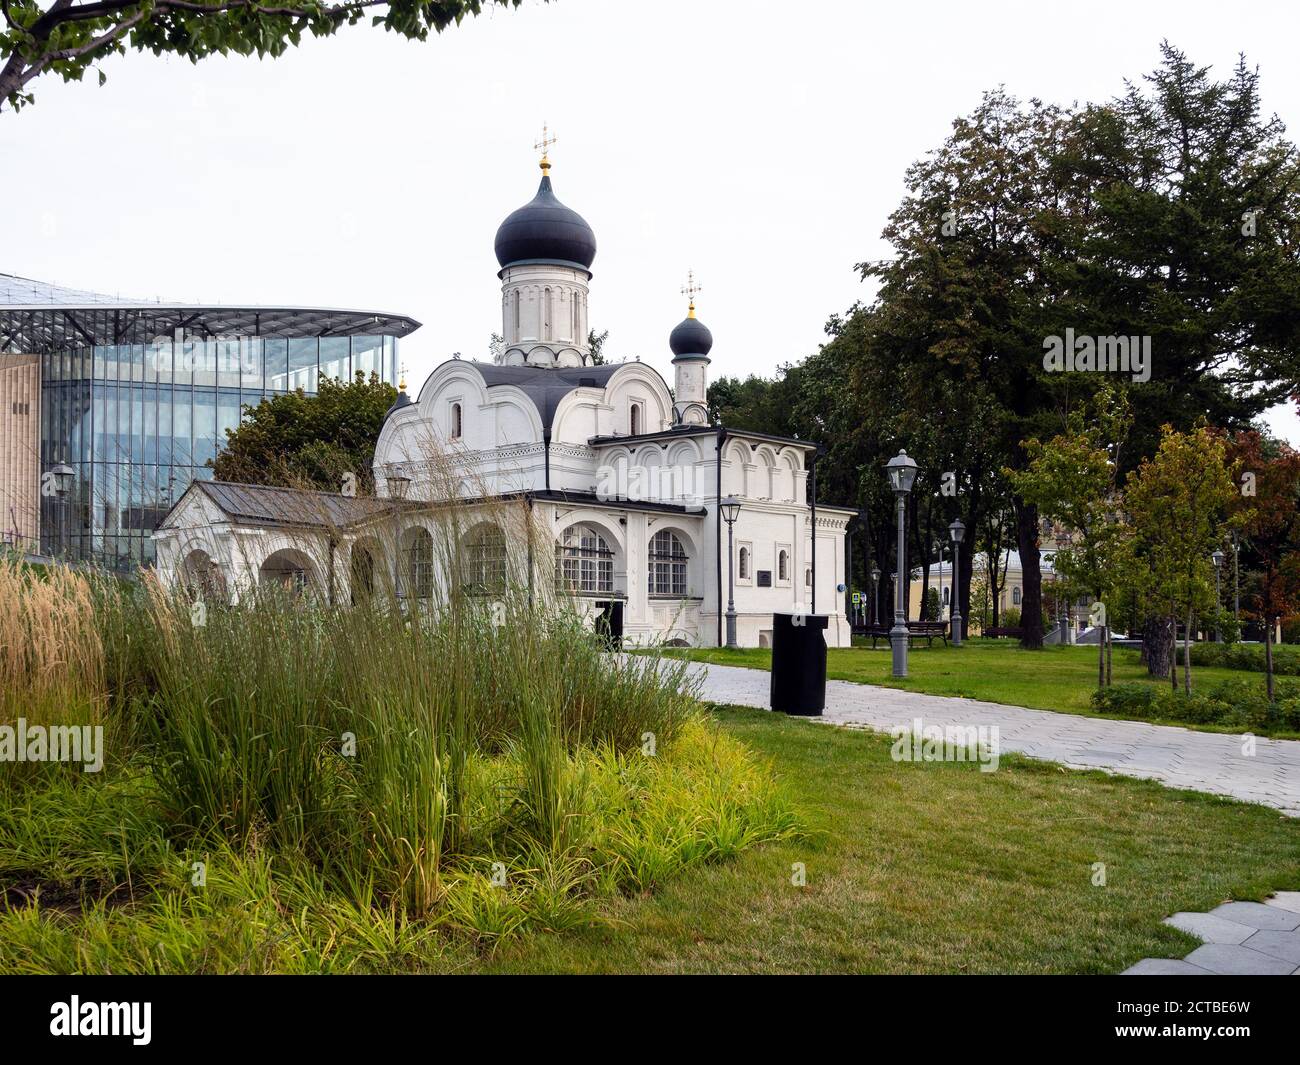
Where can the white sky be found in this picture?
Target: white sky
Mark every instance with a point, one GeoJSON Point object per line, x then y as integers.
{"type": "Point", "coordinates": [762, 144]}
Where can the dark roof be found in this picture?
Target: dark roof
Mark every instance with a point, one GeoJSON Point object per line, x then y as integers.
{"type": "Point", "coordinates": [545, 231]}
{"type": "Point", "coordinates": [268, 505]}
{"type": "Point", "coordinates": [690, 337]}
{"type": "Point", "coordinates": [678, 431]}
{"type": "Point", "coordinates": [35, 318]}
{"type": "Point", "coordinates": [546, 385]}
{"type": "Point", "coordinates": [590, 499]}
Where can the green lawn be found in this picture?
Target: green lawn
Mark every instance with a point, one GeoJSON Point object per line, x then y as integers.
{"type": "Point", "coordinates": [939, 868]}
{"type": "Point", "coordinates": [997, 671]}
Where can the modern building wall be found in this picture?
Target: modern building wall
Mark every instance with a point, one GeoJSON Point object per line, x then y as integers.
{"type": "Point", "coordinates": [139, 422]}
{"type": "Point", "coordinates": [20, 417]}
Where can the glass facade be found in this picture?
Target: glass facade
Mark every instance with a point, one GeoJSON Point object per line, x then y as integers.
{"type": "Point", "coordinates": [138, 421]}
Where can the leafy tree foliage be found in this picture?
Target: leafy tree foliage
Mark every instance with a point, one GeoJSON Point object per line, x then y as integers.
{"type": "Point", "coordinates": [69, 38]}
{"type": "Point", "coordinates": [303, 441]}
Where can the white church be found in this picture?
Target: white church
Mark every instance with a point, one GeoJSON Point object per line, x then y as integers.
{"type": "Point", "coordinates": [624, 483]}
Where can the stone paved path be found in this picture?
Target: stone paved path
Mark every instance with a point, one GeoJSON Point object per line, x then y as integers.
{"type": "Point", "coordinates": [1240, 939]}
{"type": "Point", "coordinates": [1181, 758]}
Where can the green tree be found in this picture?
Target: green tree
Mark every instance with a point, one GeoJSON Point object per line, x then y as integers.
{"type": "Point", "coordinates": [67, 38]}
{"type": "Point", "coordinates": [315, 441]}
{"type": "Point", "coordinates": [1177, 502]}
{"type": "Point", "coordinates": [1073, 481]}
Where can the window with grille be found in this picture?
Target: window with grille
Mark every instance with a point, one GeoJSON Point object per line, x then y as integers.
{"type": "Point", "coordinates": [457, 421]}
{"type": "Point", "coordinates": [485, 559]}
{"type": "Point", "coordinates": [1015, 596]}
{"type": "Point", "coordinates": [584, 562]}
{"type": "Point", "coordinates": [744, 564]}
{"type": "Point", "coordinates": [783, 566]}
{"type": "Point", "coordinates": [667, 564]}
{"type": "Point", "coordinates": [419, 568]}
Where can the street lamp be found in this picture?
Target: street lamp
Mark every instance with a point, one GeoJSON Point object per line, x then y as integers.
{"type": "Point", "coordinates": [1217, 556]}
{"type": "Point", "coordinates": [875, 593]}
{"type": "Point", "coordinates": [901, 471]}
{"type": "Point", "coordinates": [730, 508]}
{"type": "Point", "coordinates": [62, 477]}
{"type": "Point", "coordinates": [398, 485]}
{"type": "Point", "coordinates": [958, 533]}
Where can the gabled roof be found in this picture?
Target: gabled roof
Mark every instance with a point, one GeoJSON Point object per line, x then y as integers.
{"type": "Point", "coordinates": [261, 504]}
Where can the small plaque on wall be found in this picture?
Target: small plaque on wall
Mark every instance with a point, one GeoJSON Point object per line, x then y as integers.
{"type": "Point", "coordinates": [765, 578]}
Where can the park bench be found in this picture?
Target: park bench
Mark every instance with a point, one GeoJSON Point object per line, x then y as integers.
{"type": "Point", "coordinates": [1015, 634]}
{"type": "Point", "coordinates": [916, 630]}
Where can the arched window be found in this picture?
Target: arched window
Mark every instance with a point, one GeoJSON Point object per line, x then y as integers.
{"type": "Point", "coordinates": [667, 564]}
{"type": "Point", "coordinates": [1015, 596]}
{"type": "Point", "coordinates": [516, 299]}
{"type": "Point", "coordinates": [783, 566]}
{"type": "Point", "coordinates": [584, 564]}
{"type": "Point", "coordinates": [744, 564]}
{"type": "Point", "coordinates": [547, 314]}
{"type": "Point", "coordinates": [485, 559]}
{"type": "Point", "coordinates": [363, 574]}
{"type": "Point", "coordinates": [945, 596]}
{"type": "Point", "coordinates": [457, 421]}
{"type": "Point", "coordinates": [634, 418]}
{"type": "Point", "coordinates": [574, 307]}
{"type": "Point", "coordinates": [807, 578]}
{"type": "Point", "coordinates": [419, 565]}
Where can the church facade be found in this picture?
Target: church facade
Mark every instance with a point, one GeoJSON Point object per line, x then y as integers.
{"type": "Point", "coordinates": [620, 478]}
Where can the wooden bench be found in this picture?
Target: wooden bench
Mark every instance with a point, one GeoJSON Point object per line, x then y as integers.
{"type": "Point", "coordinates": [916, 630]}
{"type": "Point", "coordinates": [1015, 634]}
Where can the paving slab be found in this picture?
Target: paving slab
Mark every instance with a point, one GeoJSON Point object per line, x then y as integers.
{"type": "Point", "coordinates": [1283, 945]}
{"type": "Point", "coordinates": [1257, 915]}
{"type": "Point", "coordinates": [1232, 960]}
{"type": "Point", "coordinates": [1286, 900]}
{"type": "Point", "coordinates": [1165, 967]}
{"type": "Point", "coordinates": [1210, 929]}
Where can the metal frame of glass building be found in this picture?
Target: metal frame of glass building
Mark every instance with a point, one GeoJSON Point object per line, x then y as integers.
{"type": "Point", "coordinates": [136, 397]}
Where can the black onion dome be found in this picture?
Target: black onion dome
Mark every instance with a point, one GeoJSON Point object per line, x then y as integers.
{"type": "Point", "coordinates": [546, 231]}
{"type": "Point", "coordinates": [691, 337]}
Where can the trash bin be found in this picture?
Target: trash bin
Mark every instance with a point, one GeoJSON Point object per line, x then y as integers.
{"type": "Point", "coordinates": [799, 664]}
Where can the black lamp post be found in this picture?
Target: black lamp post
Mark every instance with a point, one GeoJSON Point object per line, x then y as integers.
{"type": "Point", "coordinates": [1217, 558]}
{"type": "Point", "coordinates": [958, 533]}
{"type": "Point", "coordinates": [398, 485]}
{"type": "Point", "coordinates": [875, 594]}
{"type": "Point", "coordinates": [1236, 583]}
{"type": "Point", "coordinates": [730, 508]}
{"type": "Point", "coordinates": [62, 477]}
{"type": "Point", "coordinates": [902, 472]}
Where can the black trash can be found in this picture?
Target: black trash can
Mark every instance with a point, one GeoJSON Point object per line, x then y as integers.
{"type": "Point", "coordinates": [799, 664]}
{"type": "Point", "coordinates": [609, 624]}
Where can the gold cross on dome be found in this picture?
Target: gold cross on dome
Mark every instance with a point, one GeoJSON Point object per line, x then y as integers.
{"type": "Point", "coordinates": [544, 145]}
{"type": "Point", "coordinates": [690, 288]}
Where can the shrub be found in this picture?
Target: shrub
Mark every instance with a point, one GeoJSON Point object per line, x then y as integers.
{"type": "Point", "coordinates": [1286, 661]}
{"type": "Point", "coordinates": [1237, 704]}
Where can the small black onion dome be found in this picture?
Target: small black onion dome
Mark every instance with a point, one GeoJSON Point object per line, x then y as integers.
{"type": "Point", "coordinates": [403, 400]}
{"type": "Point", "coordinates": [545, 230]}
{"type": "Point", "coordinates": [691, 337]}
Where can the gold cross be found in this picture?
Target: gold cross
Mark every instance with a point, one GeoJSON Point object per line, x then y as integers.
{"type": "Point", "coordinates": [542, 145]}
{"type": "Point", "coordinates": [690, 288]}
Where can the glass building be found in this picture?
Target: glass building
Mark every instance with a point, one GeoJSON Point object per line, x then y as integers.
{"type": "Point", "coordinates": [136, 398]}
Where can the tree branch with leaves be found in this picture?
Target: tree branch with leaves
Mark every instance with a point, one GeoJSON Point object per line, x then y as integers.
{"type": "Point", "coordinates": [70, 39]}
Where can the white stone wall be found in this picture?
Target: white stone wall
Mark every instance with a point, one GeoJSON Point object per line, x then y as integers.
{"type": "Point", "coordinates": [544, 315]}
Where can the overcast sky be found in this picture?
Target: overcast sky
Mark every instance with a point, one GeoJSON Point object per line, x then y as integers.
{"type": "Point", "coordinates": [761, 144]}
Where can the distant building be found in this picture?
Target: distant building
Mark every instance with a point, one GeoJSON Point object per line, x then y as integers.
{"type": "Point", "coordinates": [135, 398]}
